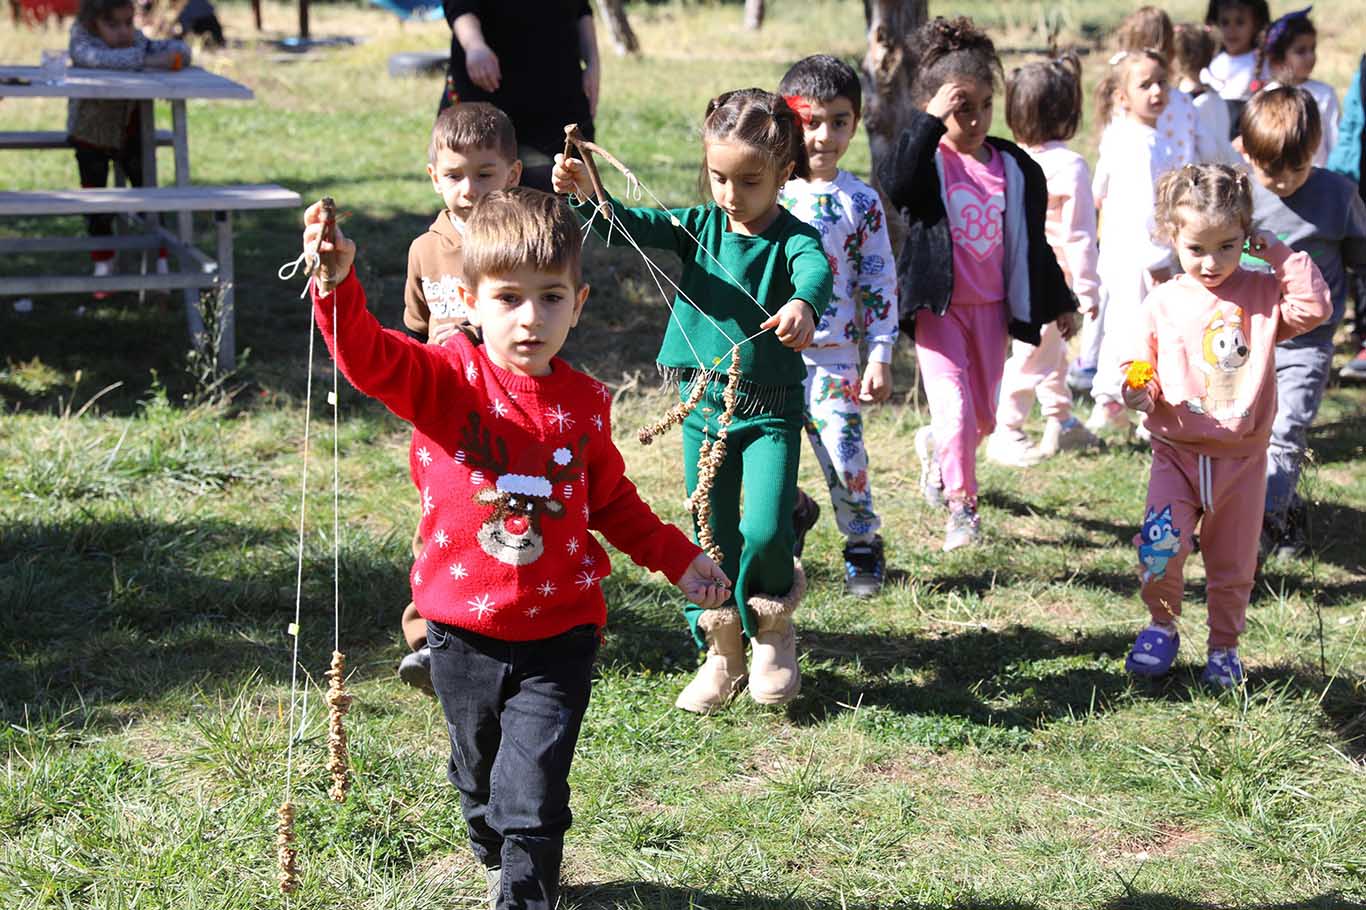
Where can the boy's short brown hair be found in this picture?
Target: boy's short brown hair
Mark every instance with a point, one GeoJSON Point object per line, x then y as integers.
{"type": "Point", "coordinates": [473, 125]}
{"type": "Point", "coordinates": [1280, 128]}
{"type": "Point", "coordinates": [521, 228]}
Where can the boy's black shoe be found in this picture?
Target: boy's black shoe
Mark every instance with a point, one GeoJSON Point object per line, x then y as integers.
{"type": "Point", "coordinates": [804, 517]}
{"type": "Point", "coordinates": [863, 568]}
{"type": "Point", "coordinates": [416, 669]}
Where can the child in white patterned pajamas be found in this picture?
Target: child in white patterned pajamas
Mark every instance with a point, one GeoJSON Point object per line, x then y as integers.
{"type": "Point", "coordinates": [826, 95]}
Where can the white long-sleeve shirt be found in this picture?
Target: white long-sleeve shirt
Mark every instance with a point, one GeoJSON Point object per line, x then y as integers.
{"type": "Point", "coordinates": [1071, 223]}
{"type": "Point", "coordinates": [853, 228]}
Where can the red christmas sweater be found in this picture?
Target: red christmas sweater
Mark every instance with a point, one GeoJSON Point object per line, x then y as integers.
{"type": "Point", "coordinates": [513, 472]}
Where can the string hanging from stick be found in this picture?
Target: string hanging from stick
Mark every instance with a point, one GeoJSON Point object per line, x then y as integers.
{"type": "Point", "coordinates": [712, 452]}
{"type": "Point", "coordinates": [338, 700]}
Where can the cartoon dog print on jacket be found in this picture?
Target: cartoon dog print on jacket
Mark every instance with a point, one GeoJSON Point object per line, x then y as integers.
{"type": "Point", "coordinates": [1225, 352]}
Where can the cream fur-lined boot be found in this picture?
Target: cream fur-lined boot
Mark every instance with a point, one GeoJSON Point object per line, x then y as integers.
{"type": "Point", "coordinates": [774, 677]}
{"type": "Point", "coordinates": [722, 675]}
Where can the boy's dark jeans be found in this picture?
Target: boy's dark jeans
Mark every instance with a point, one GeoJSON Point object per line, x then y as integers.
{"type": "Point", "coordinates": [513, 710]}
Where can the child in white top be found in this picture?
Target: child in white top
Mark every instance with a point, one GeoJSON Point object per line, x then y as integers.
{"type": "Point", "coordinates": [825, 93]}
{"type": "Point", "coordinates": [1289, 52]}
{"type": "Point", "coordinates": [1043, 109]}
{"type": "Point", "coordinates": [1132, 158]}
{"type": "Point", "coordinates": [1235, 73]}
{"type": "Point", "coordinates": [1192, 50]}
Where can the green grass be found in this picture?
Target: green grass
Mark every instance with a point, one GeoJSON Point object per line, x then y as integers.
{"type": "Point", "coordinates": [967, 739]}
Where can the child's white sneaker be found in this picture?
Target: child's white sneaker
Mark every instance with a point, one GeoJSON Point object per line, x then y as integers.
{"type": "Point", "coordinates": [963, 527]}
{"type": "Point", "coordinates": [931, 480]}
{"type": "Point", "coordinates": [1066, 436]}
{"type": "Point", "coordinates": [1012, 448]}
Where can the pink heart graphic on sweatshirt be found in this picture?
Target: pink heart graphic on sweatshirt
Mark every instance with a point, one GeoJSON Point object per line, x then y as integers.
{"type": "Point", "coordinates": [976, 220]}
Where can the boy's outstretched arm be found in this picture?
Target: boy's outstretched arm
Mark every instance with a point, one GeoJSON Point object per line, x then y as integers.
{"type": "Point", "coordinates": [418, 382]}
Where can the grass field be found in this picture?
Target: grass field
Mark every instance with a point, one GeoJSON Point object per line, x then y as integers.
{"type": "Point", "coordinates": [968, 739]}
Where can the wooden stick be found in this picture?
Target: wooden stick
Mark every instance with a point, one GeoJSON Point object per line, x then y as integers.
{"type": "Point", "coordinates": [572, 137]}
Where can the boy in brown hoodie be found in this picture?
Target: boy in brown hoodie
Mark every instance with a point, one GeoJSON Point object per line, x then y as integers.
{"type": "Point", "coordinates": [473, 151]}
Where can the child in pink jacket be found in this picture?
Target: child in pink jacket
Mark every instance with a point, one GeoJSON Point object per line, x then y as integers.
{"type": "Point", "coordinates": [1203, 369]}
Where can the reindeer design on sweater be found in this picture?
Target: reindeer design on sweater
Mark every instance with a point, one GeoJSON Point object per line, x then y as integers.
{"type": "Point", "coordinates": [512, 532]}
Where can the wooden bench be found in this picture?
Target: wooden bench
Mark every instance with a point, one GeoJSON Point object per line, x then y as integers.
{"type": "Point", "coordinates": [197, 270]}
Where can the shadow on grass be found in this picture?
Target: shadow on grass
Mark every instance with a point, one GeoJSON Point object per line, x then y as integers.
{"type": "Point", "coordinates": [100, 612]}
{"type": "Point", "coordinates": [978, 685]}
{"type": "Point", "coordinates": [628, 895]}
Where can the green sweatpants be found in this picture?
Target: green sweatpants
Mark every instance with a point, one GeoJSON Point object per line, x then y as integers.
{"type": "Point", "coordinates": [762, 454]}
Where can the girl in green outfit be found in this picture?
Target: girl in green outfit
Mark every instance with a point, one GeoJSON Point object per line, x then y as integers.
{"type": "Point", "coordinates": [748, 267]}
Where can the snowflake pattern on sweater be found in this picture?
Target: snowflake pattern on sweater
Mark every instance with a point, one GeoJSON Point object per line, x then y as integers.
{"type": "Point", "coordinates": [512, 475]}
{"type": "Point", "coordinates": [847, 214]}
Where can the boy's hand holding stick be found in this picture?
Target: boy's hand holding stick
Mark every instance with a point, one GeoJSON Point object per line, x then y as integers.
{"type": "Point", "coordinates": [323, 237]}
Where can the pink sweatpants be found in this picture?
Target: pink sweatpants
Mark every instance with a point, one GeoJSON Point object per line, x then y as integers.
{"type": "Point", "coordinates": [1226, 496]}
{"type": "Point", "coordinates": [961, 356]}
{"type": "Point", "coordinates": [1035, 370]}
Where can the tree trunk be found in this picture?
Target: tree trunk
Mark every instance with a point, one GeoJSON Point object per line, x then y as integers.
{"type": "Point", "coordinates": [888, 68]}
{"type": "Point", "coordinates": [754, 14]}
{"type": "Point", "coordinates": [256, 13]}
{"type": "Point", "coordinates": [623, 38]}
{"type": "Point", "coordinates": [303, 19]}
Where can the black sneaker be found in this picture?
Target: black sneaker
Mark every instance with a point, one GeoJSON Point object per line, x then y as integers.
{"type": "Point", "coordinates": [804, 517]}
{"type": "Point", "coordinates": [416, 669]}
{"type": "Point", "coordinates": [863, 568]}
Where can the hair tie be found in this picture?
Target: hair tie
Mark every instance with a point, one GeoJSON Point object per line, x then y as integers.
{"type": "Point", "coordinates": [801, 107]}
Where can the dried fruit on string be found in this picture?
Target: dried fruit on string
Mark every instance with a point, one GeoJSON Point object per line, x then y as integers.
{"type": "Point", "coordinates": [338, 703]}
{"type": "Point", "coordinates": [285, 852]}
{"type": "Point", "coordinates": [676, 414]}
{"type": "Point", "coordinates": [710, 456]}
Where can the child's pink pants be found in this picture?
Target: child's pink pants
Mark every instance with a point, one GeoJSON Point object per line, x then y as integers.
{"type": "Point", "coordinates": [1035, 370]}
{"type": "Point", "coordinates": [1227, 497]}
{"type": "Point", "coordinates": [961, 356]}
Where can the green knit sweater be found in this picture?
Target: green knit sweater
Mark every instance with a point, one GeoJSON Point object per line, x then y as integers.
{"type": "Point", "coordinates": [783, 263]}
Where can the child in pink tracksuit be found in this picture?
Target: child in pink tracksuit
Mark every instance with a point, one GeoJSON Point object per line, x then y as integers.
{"type": "Point", "coordinates": [1043, 109]}
{"type": "Point", "coordinates": [1210, 338]}
{"type": "Point", "coordinates": [976, 267]}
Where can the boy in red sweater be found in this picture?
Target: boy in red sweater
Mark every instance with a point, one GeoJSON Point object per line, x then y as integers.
{"type": "Point", "coordinates": [472, 152]}
{"type": "Point", "coordinates": [513, 457]}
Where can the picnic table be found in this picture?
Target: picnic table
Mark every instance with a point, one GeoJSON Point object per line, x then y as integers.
{"type": "Point", "coordinates": [142, 206]}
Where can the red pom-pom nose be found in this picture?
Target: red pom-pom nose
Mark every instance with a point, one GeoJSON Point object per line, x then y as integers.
{"type": "Point", "coordinates": [516, 524]}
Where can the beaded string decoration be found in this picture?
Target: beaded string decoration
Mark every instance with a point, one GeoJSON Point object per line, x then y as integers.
{"type": "Point", "coordinates": [286, 851]}
{"type": "Point", "coordinates": [338, 703]}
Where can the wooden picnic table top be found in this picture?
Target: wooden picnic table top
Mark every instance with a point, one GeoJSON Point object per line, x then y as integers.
{"type": "Point", "coordinates": [79, 82]}
{"type": "Point", "coordinates": [148, 199]}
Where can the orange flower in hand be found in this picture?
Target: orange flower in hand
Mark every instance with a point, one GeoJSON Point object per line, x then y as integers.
{"type": "Point", "coordinates": [1139, 374]}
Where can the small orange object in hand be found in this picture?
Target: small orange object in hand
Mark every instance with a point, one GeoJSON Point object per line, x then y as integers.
{"type": "Point", "coordinates": [177, 61]}
{"type": "Point", "coordinates": [1139, 374]}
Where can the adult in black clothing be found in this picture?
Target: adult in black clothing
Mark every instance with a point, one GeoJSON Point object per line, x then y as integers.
{"type": "Point", "coordinates": [537, 60]}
